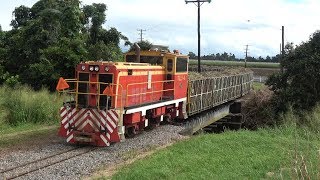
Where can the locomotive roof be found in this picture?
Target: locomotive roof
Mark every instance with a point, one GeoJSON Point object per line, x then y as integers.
{"type": "Point", "coordinates": [157, 53]}
{"type": "Point", "coordinates": [125, 65]}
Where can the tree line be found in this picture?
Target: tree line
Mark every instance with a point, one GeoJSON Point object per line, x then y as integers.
{"type": "Point", "coordinates": [48, 39]}
{"type": "Point", "coordinates": [231, 57]}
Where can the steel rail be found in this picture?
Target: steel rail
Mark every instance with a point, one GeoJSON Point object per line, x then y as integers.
{"type": "Point", "coordinates": [46, 165]}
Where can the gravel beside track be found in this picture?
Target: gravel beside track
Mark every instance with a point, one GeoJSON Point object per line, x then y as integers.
{"type": "Point", "coordinates": [86, 164]}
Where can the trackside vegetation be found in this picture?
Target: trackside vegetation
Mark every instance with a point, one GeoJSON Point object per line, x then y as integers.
{"type": "Point", "coordinates": [22, 105]}
{"type": "Point", "coordinates": [285, 152]}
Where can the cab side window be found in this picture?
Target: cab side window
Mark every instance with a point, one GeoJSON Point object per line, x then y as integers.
{"type": "Point", "coordinates": [182, 64]}
{"type": "Point", "coordinates": [169, 65]}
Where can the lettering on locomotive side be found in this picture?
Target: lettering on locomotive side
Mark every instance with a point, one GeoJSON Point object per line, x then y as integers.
{"type": "Point", "coordinates": [181, 77]}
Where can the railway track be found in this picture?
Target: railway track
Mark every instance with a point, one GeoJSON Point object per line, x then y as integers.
{"type": "Point", "coordinates": [45, 162]}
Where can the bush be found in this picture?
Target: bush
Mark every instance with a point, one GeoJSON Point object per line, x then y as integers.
{"type": "Point", "coordinates": [258, 110]}
{"type": "Point", "coordinates": [23, 105]}
{"type": "Point", "coordinates": [299, 84]}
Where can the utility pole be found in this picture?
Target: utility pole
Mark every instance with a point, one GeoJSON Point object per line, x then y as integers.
{"type": "Point", "coordinates": [282, 56]}
{"type": "Point", "coordinates": [198, 3]}
{"type": "Point", "coordinates": [141, 33]}
{"type": "Point", "coordinates": [280, 49]}
{"type": "Point", "coordinates": [245, 60]}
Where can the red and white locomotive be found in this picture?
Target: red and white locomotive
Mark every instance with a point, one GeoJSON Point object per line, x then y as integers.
{"type": "Point", "coordinates": [110, 100]}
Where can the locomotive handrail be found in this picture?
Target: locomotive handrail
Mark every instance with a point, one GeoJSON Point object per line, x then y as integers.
{"type": "Point", "coordinates": [76, 92]}
{"type": "Point", "coordinates": [150, 92]}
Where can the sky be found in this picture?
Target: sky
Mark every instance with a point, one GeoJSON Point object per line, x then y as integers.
{"type": "Point", "coordinates": [226, 25]}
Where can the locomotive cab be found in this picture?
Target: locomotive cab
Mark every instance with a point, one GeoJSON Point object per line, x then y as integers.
{"type": "Point", "coordinates": [175, 65]}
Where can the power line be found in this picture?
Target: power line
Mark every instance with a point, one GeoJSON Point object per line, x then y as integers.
{"type": "Point", "coordinates": [198, 3]}
{"type": "Point", "coordinates": [141, 33]}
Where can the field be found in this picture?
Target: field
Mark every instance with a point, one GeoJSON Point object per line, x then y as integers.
{"type": "Point", "coordinates": [236, 63]}
{"type": "Point", "coordinates": [266, 153]}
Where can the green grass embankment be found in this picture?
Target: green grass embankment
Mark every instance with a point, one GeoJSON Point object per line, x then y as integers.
{"type": "Point", "coordinates": [232, 155]}
{"type": "Point", "coordinates": [236, 63]}
{"type": "Point", "coordinates": [289, 151]}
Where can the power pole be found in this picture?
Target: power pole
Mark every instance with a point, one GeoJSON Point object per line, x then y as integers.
{"type": "Point", "coordinates": [282, 56]}
{"type": "Point", "coordinates": [280, 49]}
{"type": "Point", "coordinates": [245, 60]}
{"type": "Point", "coordinates": [141, 33]}
{"type": "Point", "coordinates": [198, 3]}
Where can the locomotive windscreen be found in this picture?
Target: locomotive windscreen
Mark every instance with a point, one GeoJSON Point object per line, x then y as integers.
{"type": "Point", "coordinates": [104, 78]}
{"type": "Point", "coordinates": [154, 60]}
{"type": "Point", "coordinates": [83, 88]}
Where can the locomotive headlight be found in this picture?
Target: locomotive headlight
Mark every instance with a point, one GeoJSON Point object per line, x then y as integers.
{"type": "Point", "coordinates": [91, 68]}
{"type": "Point", "coordinates": [83, 67]}
{"type": "Point", "coordinates": [106, 68]}
{"type": "Point", "coordinates": [96, 68]}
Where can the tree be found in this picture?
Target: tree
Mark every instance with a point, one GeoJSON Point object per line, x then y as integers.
{"type": "Point", "coordinates": [144, 45]}
{"type": "Point", "coordinates": [192, 55]}
{"type": "Point", "coordinates": [102, 44]}
{"type": "Point", "coordinates": [299, 84]}
{"type": "Point", "coordinates": [51, 37]}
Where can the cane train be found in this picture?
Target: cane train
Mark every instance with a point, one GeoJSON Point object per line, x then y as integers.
{"type": "Point", "coordinates": [109, 101]}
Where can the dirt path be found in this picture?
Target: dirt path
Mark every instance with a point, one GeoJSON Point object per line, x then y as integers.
{"type": "Point", "coordinates": [29, 139]}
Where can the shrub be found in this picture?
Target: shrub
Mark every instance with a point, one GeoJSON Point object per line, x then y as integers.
{"type": "Point", "coordinates": [258, 110]}
{"type": "Point", "coordinates": [299, 84]}
{"type": "Point", "coordinates": [23, 105]}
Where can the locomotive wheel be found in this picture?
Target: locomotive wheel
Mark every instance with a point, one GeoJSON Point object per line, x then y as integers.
{"type": "Point", "coordinates": [167, 119]}
{"type": "Point", "coordinates": [131, 132]}
{"type": "Point", "coordinates": [153, 123]}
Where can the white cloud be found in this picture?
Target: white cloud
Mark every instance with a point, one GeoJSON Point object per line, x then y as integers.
{"type": "Point", "coordinates": [224, 23]}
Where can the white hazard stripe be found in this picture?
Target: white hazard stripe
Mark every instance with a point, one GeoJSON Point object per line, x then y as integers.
{"type": "Point", "coordinates": [64, 112]}
{"type": "Point", "coordinates": [97, 114]}
{"type": "Point", "coordinates": [88, 122]}
{"type": "Point", "coordinates": [114, 116]}
{"type": "Point", "coordinates": [75, 117]}
{"type": "Point", "coordinates": [111, 122]}
{"type": "Point", "coordinates": [104, 113]}
{"type": "Point", "coordinates": [78, 121]}
{"type": "Point", "coordinates": [68, 116]}
{"type": "Point", "coordinates": [69, 138]}
{"type": "Point", "coordinates": [109, 128]}
{"type": "Point", "coordinates": [104, 140]}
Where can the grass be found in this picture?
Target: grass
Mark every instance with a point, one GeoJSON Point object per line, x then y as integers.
{"type": "Point", "coordinates": [290, 151]}
{"type": "Point", "coordinates": [258, 86]}
{"type": "Point", "coordinates": [23, 105]}
{"type": "Point", "coordinates": [236, 63]}
{"type": "Point", "coordinates": [231, 155]}
{"type": "Point", "coordinates": [26, 114]}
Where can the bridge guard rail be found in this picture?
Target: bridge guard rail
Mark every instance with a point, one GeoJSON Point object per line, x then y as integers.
{"type": "Point", "coordinates": [210, 92]}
